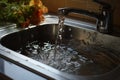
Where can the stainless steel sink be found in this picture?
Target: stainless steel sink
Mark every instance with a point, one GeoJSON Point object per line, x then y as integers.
{"type": "Point", "coordinates": [89, 55]}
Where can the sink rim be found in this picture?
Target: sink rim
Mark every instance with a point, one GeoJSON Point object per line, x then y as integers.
{"type": "Point", "coordinates": [9, 53]}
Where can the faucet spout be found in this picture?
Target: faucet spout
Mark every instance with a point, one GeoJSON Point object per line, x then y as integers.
{"type": "Point", "coordinates": [66, 11]}
{"type": "Point", "coordinates": [104, 18]}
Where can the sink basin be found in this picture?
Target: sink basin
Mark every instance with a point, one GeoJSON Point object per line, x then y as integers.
{"type": "Point", "coordinates": [80, 52]}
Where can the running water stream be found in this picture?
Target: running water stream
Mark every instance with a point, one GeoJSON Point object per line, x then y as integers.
{"type": "Point", "coordinates": [59, 33]}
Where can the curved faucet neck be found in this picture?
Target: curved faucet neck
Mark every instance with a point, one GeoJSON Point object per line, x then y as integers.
{"type": "Point", "coordinates": [104, 20]}
{"type": "Point", "coordinates": [65, 11]}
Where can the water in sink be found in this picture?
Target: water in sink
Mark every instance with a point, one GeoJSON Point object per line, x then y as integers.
{"type": "Point", "coordinates": [72, 56]}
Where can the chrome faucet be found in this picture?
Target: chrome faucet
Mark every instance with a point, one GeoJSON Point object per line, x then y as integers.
{"type": "Point", "coordinates": [104, 18]}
